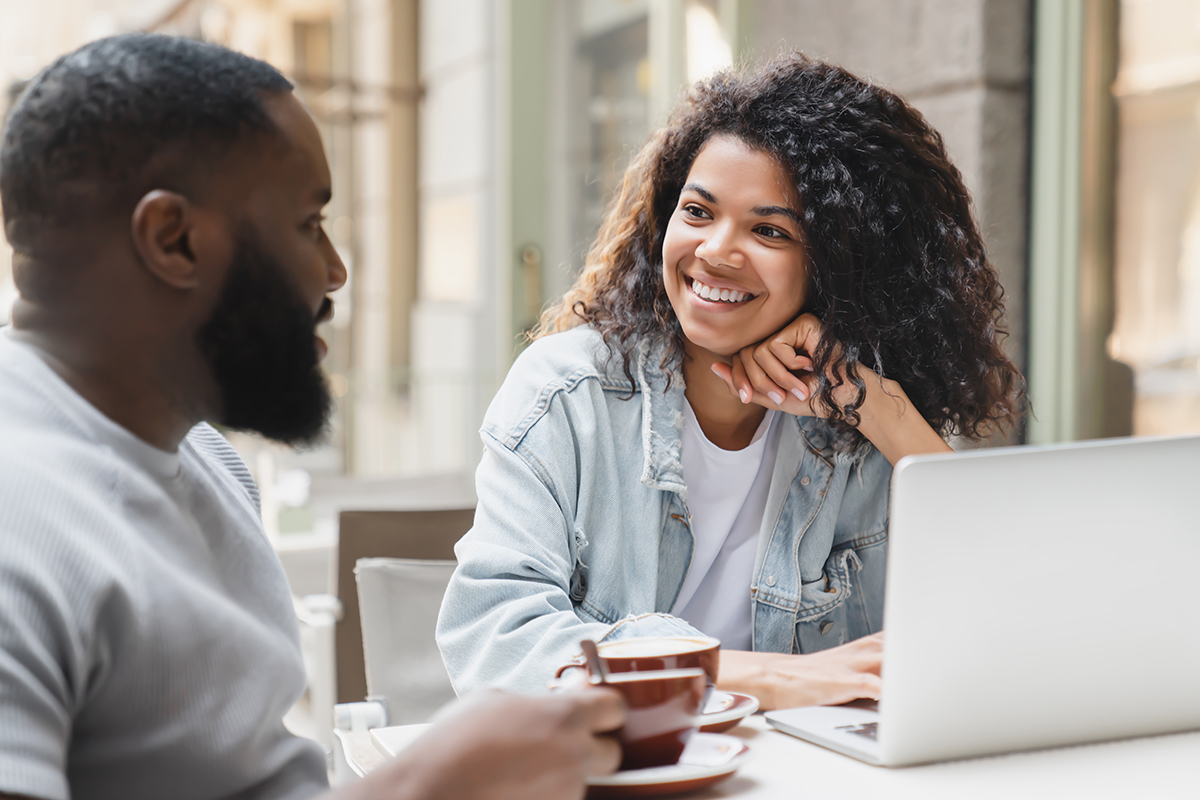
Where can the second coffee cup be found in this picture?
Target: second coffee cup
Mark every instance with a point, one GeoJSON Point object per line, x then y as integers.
{"type": "Point", "coordinates": [663, 707]}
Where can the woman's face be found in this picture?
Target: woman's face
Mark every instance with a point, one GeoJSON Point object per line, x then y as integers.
{"type": "Point", "coordinates": [733, 262]}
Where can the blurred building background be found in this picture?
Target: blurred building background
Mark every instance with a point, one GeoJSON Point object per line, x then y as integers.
{"type": "Point", "coordinates": [475, 143]}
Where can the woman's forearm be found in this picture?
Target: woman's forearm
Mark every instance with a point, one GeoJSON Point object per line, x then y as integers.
{"type": "Point", "coordinates": [892, 423]}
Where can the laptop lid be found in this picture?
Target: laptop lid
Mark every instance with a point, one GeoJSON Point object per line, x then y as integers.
{"type": "Point", "coordinates": [1041, 596]}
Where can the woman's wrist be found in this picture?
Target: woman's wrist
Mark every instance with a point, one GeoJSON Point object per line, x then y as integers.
{"type": "Point", "coordinates": [747, 672]}
{"type": "Point", "coordinates": [890, 421]}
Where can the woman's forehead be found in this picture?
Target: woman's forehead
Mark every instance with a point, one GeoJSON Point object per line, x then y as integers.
{"type": "Point", "coordinates": [731, 164]}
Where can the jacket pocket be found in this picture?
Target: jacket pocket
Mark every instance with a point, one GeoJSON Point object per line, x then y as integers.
{"type": "Point", "coordinates": [846, 603]}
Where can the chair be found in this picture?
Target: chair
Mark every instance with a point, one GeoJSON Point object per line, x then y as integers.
{"type": "Point", "coordinates": [399, 600]}
{"type": "Point", "coordinates": [353, 754]}
{"type": "Point", "coordinates": [411, 535]}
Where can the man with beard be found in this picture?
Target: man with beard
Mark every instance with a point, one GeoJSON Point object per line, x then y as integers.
{"type": "Point", "coordinates": [163, 198]}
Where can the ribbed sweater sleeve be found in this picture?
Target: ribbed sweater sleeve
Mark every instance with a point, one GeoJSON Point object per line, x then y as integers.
{"type": "Point", "coordinates": [49, 577]}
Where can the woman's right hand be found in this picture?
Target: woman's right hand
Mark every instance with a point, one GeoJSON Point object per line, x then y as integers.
{"type": "Point", "coordinates": [825, 678]}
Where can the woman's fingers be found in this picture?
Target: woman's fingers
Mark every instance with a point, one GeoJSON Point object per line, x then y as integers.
{"type": "Point", "coordinates": [757, 379]}
{"type": "Point", "coordinates": [739, 385]}
{"type": "Point", "coordinates": [779, 371]}
{"type": "Point", "coordinates": [787, 354]}
{"type": "Point", "coordinates": [871, 686]}
{"type": "Point", "coordinates": [770, 377]}
{"type": "Point", "coordinates": [735, 380]}
{"type": "Point", "coordinates": [751, 385]}
{"type": "Point", "coordinates": [725, 373]}
{"type": "Point", "coordinates": [870, 661]}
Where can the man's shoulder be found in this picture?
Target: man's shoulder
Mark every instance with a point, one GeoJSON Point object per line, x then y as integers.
{"type": "Point", "coordinates": [40, 422]}
{"type": "Point", "coordinates": [41, 459]}
{"type": "Point", "coordinates": [223, 460]}
{"type": "Point", "coordinates": [65, 538]}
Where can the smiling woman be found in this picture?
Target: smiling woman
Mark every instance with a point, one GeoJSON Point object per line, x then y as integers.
{"type": "Point", "coordinates": [788, 295]}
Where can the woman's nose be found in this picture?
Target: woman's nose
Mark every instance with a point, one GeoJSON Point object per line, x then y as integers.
{"type": "Point", "coordinates": [719, 247]}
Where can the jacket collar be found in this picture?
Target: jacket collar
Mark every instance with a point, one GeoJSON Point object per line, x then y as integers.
{"type": "Point", "coordinates": [662, 424]}
{"type": "Point", "coordinates": [662, 419]}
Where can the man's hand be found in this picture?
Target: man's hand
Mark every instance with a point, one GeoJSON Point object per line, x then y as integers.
{"type": "Point", "coordinates": [829, 677]}
{"type": "Point", "coordinates": [496, 746]}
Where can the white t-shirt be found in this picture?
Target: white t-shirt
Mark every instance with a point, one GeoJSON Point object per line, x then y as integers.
{"type": "Point", "coordinates": [726, 495]}
{"type": "Point", "coordinates": [148, 644]}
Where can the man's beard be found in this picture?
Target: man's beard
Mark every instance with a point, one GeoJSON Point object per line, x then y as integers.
{"type": "Point", "coordinates": [260, 344]}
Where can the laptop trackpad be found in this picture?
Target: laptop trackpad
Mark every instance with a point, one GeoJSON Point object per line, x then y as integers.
{"type": "Point", "coordinates": [850, 729]}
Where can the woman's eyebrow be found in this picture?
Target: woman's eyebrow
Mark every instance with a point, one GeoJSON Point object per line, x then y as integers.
{"type": "Point", "coordinates": [758, 211]}
{"type": "Point", "coordinates": [770, 211]}
{"type": "Point", "coordinates": [700, 190]}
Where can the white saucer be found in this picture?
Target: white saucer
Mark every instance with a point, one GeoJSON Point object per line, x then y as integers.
{"type": "Point", "coordinates": [725, 709]}
{"type": "Point", "coordinates": [708, 758]}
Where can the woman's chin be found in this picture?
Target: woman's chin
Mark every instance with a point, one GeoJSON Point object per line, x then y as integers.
{"type": "Point", "coordinates": [725, 340]}
{"type": "Point", "coordinates": [719, 348]}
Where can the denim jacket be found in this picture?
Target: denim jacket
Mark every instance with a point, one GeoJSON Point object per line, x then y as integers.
{"type": "Point", "coordinates": [582, 528]}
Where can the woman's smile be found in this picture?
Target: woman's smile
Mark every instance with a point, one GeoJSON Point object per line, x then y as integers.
{"type": "Point", "coordinates": [718, 296]}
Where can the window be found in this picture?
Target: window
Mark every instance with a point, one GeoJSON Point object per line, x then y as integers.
{"type": "Point", "coordinates": [1157, 255]}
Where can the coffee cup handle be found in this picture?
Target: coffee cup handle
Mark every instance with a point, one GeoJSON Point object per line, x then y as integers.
{"type": "Point", "coordinates": [575, 663]}
{"type": "Point", "coordinates": [570, 678]}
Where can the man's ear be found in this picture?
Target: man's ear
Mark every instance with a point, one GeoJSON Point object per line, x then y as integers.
{"type": "Point", "coordinates": [160, 226]}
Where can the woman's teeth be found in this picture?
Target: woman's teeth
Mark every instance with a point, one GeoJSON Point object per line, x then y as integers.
{"type": "Point", "coordinates": [718, 295]}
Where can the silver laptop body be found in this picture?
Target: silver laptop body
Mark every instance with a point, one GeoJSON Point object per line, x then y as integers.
{"type": "Point", "coordinates": [1036, 596]}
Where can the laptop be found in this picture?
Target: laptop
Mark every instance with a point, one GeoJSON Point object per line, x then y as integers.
{"type": "Point", "coordinates": [1036, 596]}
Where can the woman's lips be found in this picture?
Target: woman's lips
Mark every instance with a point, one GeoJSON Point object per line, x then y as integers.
{"type": "Point", "coordinates": [322, 349]}
{"type": "Point", "coordinates": [715, 296]}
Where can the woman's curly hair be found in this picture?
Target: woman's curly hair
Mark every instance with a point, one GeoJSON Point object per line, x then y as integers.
{"type": "Point", "coordinates": [899, 276]}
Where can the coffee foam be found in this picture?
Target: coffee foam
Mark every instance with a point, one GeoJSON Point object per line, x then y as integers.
{"type": "Point", "coordinates": [656, 646]}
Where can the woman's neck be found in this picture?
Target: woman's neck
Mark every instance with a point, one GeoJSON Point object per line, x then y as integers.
{"type": "Point", "coordinates": [726, 421]}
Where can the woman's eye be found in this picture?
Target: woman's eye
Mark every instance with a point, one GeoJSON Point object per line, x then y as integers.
{"type": "Point", "coordinates": [313, 226]}
{"type": "Point", "coordinates": [768, 232]}
{"type": "Point", "coordinates": [695, 212]}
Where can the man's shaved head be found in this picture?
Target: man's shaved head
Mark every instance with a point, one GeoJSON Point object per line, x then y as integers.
{"type": "Point", "coordinates": [100, 127]}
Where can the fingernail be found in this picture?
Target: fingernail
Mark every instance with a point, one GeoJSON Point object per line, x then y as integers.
{"type": "Point", "coordinates": [800, 394]}
{"type": "Point", "coordinates": [742, 394]}
{"type": "Point", "coordinates": [776, 397]}
{"type": "Point", "coordinates": [714, 369]}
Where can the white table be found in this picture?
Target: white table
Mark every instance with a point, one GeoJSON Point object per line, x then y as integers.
{"type": "Point", "coordinates": [783, 767]}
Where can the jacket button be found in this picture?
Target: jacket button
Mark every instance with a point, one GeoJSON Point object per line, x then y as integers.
{"type": "Point", "coordinates": [804, 481]}
{"type": "Point", "coordinates": [770, 580]}
{"type": "Point", "coordinates": [826, 627]}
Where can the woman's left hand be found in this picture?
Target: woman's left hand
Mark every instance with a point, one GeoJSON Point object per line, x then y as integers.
{"type": "Point", "coordinates": [777, 372]}
{"type": "Point", "coordinates": [766, 374]}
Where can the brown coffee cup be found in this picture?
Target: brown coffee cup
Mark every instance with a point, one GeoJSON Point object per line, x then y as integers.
{"type": "Point", "coordinates": [663, 652]}
{"type": "Point", "coordinates": [663, 707]}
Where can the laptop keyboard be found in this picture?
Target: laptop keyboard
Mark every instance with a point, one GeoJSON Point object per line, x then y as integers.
{"type": "Point", "coordinates": [868, 730]}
